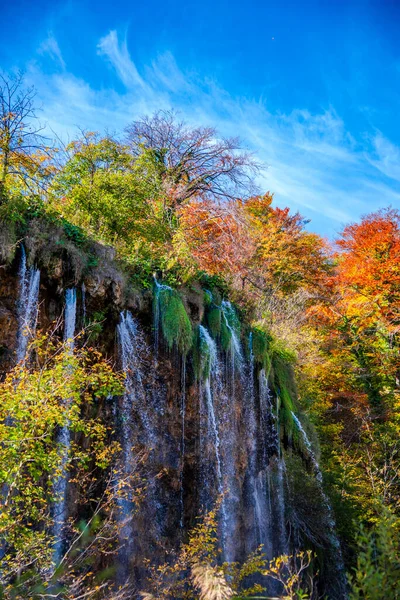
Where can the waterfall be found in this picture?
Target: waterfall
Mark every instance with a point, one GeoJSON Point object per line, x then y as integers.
{"type": "Point", "coordinates": [331, 520]}
{"type": "Point", "coordinates": [311, 455]}
{"type": "Point", "coordinates": [64, 436]}
{"type": "Point", "coordinates": [231, 397]}
{"type": "Point", "coordinates": [252, 505]}
{"type": "Point", "coordinates": [234, 356]}
{"type": "Point", "coordinates": [27, 311]}
{"type": "Point", "coordinates": [29, 280]}
{"type": "Point", "coordinates": [70, 317]}
{"type": "Point", "coordinates": [158, 287]}
{"type": "Point", "coordinates": [264, 492]}
{"type": "Point", "coordinates": [131, 345]}
{"type": "Point", "coordinates": [282, 542]}
{"type": "Point", "coordinates": [261, 477]}
{"type": "Point", "coordinates": [209, 433]}
{"type": "Point", "coordinates": [128, 346]}
{"type": "Point", "coordinates": [138, 426]}
{"type": "Point", "coordinates": [272, 454]}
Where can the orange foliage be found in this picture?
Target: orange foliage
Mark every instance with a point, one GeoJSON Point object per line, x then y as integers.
{"type": "Point", "coordinates": [254, 242]}
{"type": "Point", "coordinates": [217, 236]}
{"type": "Point", "coordinates": [361, 310]}
{"type": "Point", "coordinates": [369, 266]}
{"type": "Point", "coordinates": [286, 253]}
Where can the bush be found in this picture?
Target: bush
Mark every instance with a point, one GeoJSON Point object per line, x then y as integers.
{"type": "Point", "coordinates": [377, 574]}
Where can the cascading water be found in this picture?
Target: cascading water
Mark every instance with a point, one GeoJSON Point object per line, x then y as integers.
{"type": "Point", "coordinates": [263, 504]}
{"type": "Point", "coordinates": [64, 436]}
{"type": "Point", "coordinates": [234, 354]}
{"type": "Point", "coordinates": [311, 456]}
{"type": "Point", "coordinates": [331, 521]}
{"type": "Point", "coordinates": [209, 434]}
{"type": "Point", "coordinates": [27, 310]}
{"type": "Point", "coordinates": [235, 373]}
{"type": "Point", "coordinates": [127, 338]}
{"type": "Point", "coordinates": [158, 287]}
{"type": "Point", "coordinates": [29, 280]}
{"type": "Point", "coordinates": [137, 427]}
{"type": "Point", "coordinates": [274, 467]}
{"type": "Point", "coordinates": [176, 456]}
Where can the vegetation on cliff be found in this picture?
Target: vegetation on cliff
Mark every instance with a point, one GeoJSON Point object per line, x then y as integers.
{"type": "Point", "coordinates": [181, 203]}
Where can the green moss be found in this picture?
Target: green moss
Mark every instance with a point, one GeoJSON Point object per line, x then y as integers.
{"type": "Point", "coordinates": [283, 382]}
{"type": "Point", "coordinates": [74, 233]}
{"type": "Point", "coordinates": [226, 335]}
{"type": "Point", "coordinates": [229, 323]}
{"type": "Point", "coordinates": [207, 298]}
{"type": "Point", "coordinates": [213, 318]}
{"type": "Point", "coordinates": [175, 323]}
{"type": "Point", "coordinates": [261, 347]}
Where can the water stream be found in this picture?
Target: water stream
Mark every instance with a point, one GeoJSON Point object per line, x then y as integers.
{"type": "Point", "coordinates": [334, 540]}
{"type": "Point", "coordinates": [64, 436]}
{"type": "Point", "coordinates": [29, 281]}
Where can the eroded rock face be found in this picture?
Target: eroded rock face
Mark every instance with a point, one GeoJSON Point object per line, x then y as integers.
{"type": "Point", "coordinates": [181, 457]}
{"type": "Point", "coordinates": [8, 319]}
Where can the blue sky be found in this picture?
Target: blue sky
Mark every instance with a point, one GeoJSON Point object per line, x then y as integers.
{"type": "Point", "coordinates": [313, 87]}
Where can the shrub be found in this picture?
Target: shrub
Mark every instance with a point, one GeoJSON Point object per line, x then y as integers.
{"type": "Point", "coordinates": [377, 573]}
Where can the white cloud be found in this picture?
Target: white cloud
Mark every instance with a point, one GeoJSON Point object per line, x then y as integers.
{"type": "Point", "coordinates": [50, 47]}
{"type": "Point", "coordinates": [387, 157]}
{"type": "Point", "coordinates": [118, 55]}
{"type": "Point", "coordinates": [314, 164]}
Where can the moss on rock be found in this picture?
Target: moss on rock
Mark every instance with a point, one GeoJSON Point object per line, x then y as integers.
{"type": "Point", "coordinates": [261, 341]}
{"type": "Point", "coordinates": [175, 323]}
{"type": "Point", "coordinates": [213, 318]}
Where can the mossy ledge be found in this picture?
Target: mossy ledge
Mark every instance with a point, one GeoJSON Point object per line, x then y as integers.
{"type": "Point", "coordinates": [175, 323]}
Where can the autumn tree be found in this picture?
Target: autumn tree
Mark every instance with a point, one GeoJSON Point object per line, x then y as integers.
{"type": "Point", "coordinates": [353, 387]}
{"type": "Point", "coordinates": [257, 247]}
{"type": "Point", "coordinates": [24, 151]}
{"type": "Point", "coordinates": [113, 196]}
{"type": "Point", "coordinates": [194, 161]}
{"type": "Point", "coordinates": [216, 237]}
{"type": "Point", "coordinates": [369, 266]}
{"type": "Point", "coordinates": [32, 410]}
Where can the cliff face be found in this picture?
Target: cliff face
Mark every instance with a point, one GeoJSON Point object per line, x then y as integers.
{"type": "Point", "coordinates": [212, 415]}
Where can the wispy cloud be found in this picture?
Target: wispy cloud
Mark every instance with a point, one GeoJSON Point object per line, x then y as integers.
{"type": "Point", "coordinates": [386, 157]}
{"type": "Point", "coordinates": [118, 55]}
{"type": "Point", "coordinates": [313, 163]}
{"type": "Point", "coordinates": [51, 48]}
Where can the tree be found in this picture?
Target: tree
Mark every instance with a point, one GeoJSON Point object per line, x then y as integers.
{"type": "Point", "coordinates": [32, 410]}
{"type": "Point", "coordinates": [377, 573]}
{"type": "Point", "coordinates": [113, 196]}
{"type": "Point", "coordinates": [217, 237]}
{"type": "Point", "coordinates": [369, 266]}
{"type": "Point", "coordinates": [194, 161]}
{"type": "Point", "coordinates": [353, 387]}
{"type": "Point", "coordinates": [287, 257]}
{"type": "Point", "coordinates": [24, 152]}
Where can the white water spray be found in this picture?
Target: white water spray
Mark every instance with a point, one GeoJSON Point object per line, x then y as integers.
{"type": "Point", "coordinates": [29, 281]}
{"type": "Point", "coordinates": [64, 436]}
{"type": "Point", "coordinates": [210, 430]}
